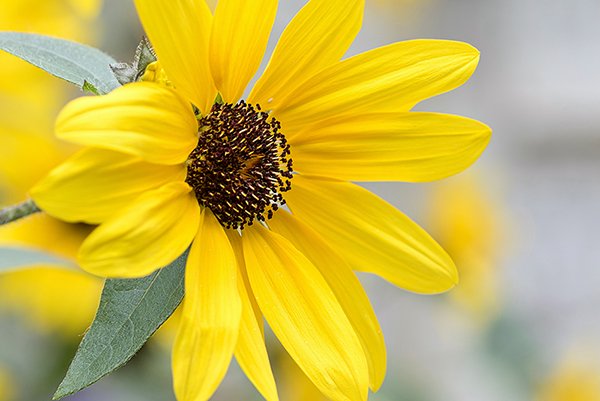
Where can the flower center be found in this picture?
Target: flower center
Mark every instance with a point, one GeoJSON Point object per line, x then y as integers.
{"type": "Point", "coordinates": [241, 165]}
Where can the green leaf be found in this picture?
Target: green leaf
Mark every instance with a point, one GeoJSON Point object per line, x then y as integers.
{"type": "Point", "coordinates": [68, 60]}
{"type": "Point", "coordinates": [14, 258]}
{"type": "Point", "coordinates": [130, 312]}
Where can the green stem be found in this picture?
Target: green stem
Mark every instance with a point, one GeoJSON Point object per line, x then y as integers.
{"type": "Point", "coordinates": [18, 211]}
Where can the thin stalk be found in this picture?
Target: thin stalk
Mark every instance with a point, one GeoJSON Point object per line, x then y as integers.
{"type": "Point", "coordinates": [18, 211]}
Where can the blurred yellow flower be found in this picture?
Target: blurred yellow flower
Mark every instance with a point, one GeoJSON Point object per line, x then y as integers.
{"type": "Point", "coordinates": [26, 145]}
{"type": "Point", "coordinates": [53, 299]}
{"type": "Point", "coordinates": [88, 9]}
{"type": "Point", "coordinates": [27, 91]}
{"type": "Point", "coordinates": [576, 378]}
{"type": "Point", "coordinates": [159, 175]}
{"type": "Point", "coordinates": [397, 3]}
{"type": "Point", "coordinates": [294, 384]}
{"type": "Point", "coordinates": [7, 392]}
{"type": "Point", "coordinates": [468, 224]}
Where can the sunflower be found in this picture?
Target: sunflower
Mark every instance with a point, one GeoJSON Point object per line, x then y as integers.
{"type": "Point", "coordinates": [261, 187]}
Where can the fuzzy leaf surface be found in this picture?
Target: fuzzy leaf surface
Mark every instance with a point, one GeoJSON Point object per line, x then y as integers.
{"type": "Point", "coordinates": [71, 61]}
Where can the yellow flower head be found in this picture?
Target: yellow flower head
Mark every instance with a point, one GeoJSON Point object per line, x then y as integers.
{"type": "Point", "coordinates": [160, 174]}
{"type": "Point", "coordinates": [576, 378]}
{"type": "Point", "coordinates": [468, 225]}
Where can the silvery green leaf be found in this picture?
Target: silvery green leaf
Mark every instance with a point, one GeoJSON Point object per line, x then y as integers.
{"type": "Point", "coordinates": [73, 62]}
{"type": "Point", "coordinates": [130, 312]}
{"type": "Point", "coordinates": [15, 258]}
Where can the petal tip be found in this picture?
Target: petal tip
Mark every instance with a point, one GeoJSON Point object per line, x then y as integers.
{"type": "Point", "coordinates": [452, 276]}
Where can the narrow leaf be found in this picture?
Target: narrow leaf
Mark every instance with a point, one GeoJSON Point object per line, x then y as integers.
{"type": "Point", "coordinates": [68, 60]}
{"type": "Point", "coordinates": [130, 312]}
{"type": "Point", "coordinates": [14, 258]}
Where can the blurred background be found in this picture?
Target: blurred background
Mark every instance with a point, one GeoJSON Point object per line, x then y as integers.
{"type": "Point", "coordinates": [521, 224]}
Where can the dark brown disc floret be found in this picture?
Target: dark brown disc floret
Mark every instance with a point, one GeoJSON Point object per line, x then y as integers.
{"type": "Point", "coordinates": [241, 165]}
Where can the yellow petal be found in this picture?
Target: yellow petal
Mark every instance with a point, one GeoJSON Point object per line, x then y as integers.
{"type": "Point", "coordinates": [250, 351]}
{"type": "Point", "coordinates": [148, 234]}
{"type": "Point", "coordinates": [179, 31]}
{"type": "Point", "coordinates": [211, 313]}
{"type": "Point", "coordinates": [239, 38]}
{"type": "Point", "coordinates": [305, 315]}
{"type": "Point", "coordinates": [410, 147]}
{"type": "Point", "coordinates": [390, 78]}
{"type": "Point", "coordinates": [345, 286]}
{"type": "Point", "coordinates": [141, 119]}
{"type": "Point", "coordinates": [96, 183]}
{"type": "Point", "coordinates": [318, 36]}
{"type": "Point", "coordinates": [371, 234]}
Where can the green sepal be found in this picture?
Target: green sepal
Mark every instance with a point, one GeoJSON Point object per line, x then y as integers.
{"type": "Point", "coordinates": [144, 56]}
{"type": "Point", "coordinates": [71, 61]}
{"type": "Point", "coordinates": [130, 311]}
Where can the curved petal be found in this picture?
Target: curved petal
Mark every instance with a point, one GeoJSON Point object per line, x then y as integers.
{"type": "Point", "coordinates": [305, 315]}
{"type": "Point", "coordinates": [96, 183]}
{"type": "Point", "coordinates": [142, 119]}
{"type": "Point", "coordinates": [318, 36]}
{"type": "Point", "coordinates": [240, 33]}
{"type": "Point", "coordinates": [412, 147]}
{"type": "Point", "coordinates": [146, 235]}
{"type": "Point", "coordinates": [250, 351]}
{"type": "Point", "coordinates": [211, 314]}
{"type": "Point", "coordinates": [345, 286]}
{"type": "Point", "coordinates": [390, 78]}
{"type": "Point", "coordinates": [179, 31]}
{"type": "Point", "coordinates": [371, 234]}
